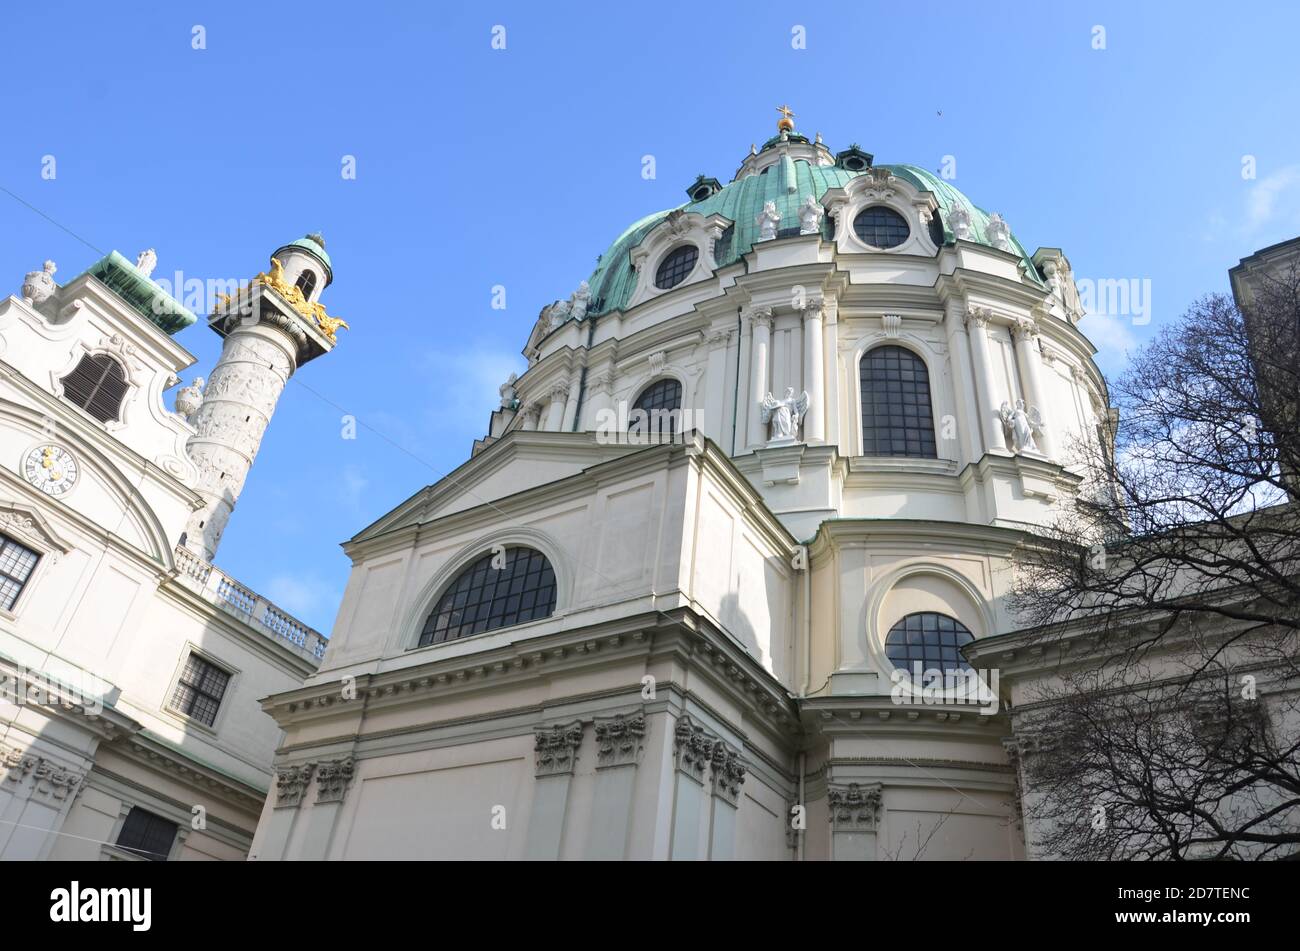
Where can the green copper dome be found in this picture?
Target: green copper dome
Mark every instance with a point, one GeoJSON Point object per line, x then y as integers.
{"type": "Point", "coordinates": [614, 280]}
{"type": "Point", "coordinates": [314, 245]}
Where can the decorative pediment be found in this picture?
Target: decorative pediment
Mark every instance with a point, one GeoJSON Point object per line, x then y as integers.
{"type": "Point", "coordinates": [29, 526]}
{"type": "Point", "coordinates": [677, 228]}
{"type": "Point", "coordinates": [880, 186]}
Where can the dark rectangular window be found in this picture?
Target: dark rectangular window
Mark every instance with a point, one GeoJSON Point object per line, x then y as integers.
{"type": "Point", "coordinates": [16, 564]}
{"type": "Point", "coordinates": [147, 835]}
{"type": "Point", "coordinates": [200, 689]}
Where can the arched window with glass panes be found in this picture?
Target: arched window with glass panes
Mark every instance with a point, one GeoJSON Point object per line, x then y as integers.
{"type": "Point", "coordinates": [502, 588]}
{"type": "Point", "coordinates": [932, 640]}
{"type": "Point", "coordinates": [897, 418]}
{"type": "Point", "coordinates": [306, 282]}
{"type": "Point", "coordinates": [657, 411]}
{"type": "Point", "coordinates": [98, 385]}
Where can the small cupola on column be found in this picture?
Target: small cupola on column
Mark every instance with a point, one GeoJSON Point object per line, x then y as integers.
{"type": "Point", "coordinates": [306, 265]}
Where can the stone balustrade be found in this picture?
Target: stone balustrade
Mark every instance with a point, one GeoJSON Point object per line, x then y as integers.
{"type": "Point", "coordinates": [215, 586]}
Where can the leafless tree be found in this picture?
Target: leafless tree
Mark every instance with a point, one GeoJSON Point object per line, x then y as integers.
{"type": "Point", "coordinates": [1178, 565]}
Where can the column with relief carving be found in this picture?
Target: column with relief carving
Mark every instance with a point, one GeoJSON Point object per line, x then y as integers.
{"type": "Point", "coordinates": [977, 321]}
{"type": "Point", "coordinates": [761, 320]}
{"type": "Point", "coordinates": [1025, 332]}
{"type": "Point", "coordinates": [814, 373]}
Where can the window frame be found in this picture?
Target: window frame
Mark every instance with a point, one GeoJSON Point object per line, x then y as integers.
{"type": "Point", "coordinates": [134, 851]}
{"type": "Point", "coordinates": [881, 206]}
{"type": "Point", "coordinates": [95, 356]}
{"type": "Point", "coordinates": [875, 346]}
{"type": "Point", "coordinates": [189, 720]}
{"type": "Point", "coordinates": [464, 568]}
{"type": "Point", "coordinates": [690, 246]}
{"type": "Point", "coordinates": [7, 539]}
{"type": "Point", "coordinates": [675, 428]}
{"type": "Point", "coordinates": [963, 666]}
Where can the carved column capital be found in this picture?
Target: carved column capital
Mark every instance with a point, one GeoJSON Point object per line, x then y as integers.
{"type": "Point", "coordinates": [618, 739]}
{"type": "Point", "coordinates": [760, 317]}
{"type": "Point", "coordinates": [291, 783]}
{"type": "Point", "coordinates": [728, 772]}
{"type": "Point", "coordinates": [1024, 329]}
{"type": "Point", "coordinates": [557, 748]}
{"type": "Point", "coordinates": [854, 807]}
{"type": "Point", "coordinates": [813, 308]}
{"type": "Point", "coordinates": [978, 316]}
{"type": "Point", "coordinates": [692, 748]}
{"type": "Point", "coordinates": [559, 390]}
{"type": "Point", "coordinates": [332, 778]}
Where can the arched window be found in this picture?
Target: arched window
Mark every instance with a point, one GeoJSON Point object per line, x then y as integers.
{"type": "Point", "coordinates": [661, 402]}
{"type": "Point", "coordinates": [498, 590]}
{"type": "Point", "coordinates": [896, 416]}
{"type": "Point", "coordinates": [932, 640]}
{"type": "Point", "coordinates": [675, 266]}
{"type": "Point", "coordinates": [306, 282]}
{"type": "Point", "coordinates": [881, 227]}
{"type": "Point", "coordinates": [97, 384]}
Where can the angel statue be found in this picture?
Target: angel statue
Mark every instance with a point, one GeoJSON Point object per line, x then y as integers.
{"type": "Point", "coordinates": [784, 414]}
{"type": "Point", "coordinates": [146, 261]}
{"type": "Point", "coordinates": [1023, 424]}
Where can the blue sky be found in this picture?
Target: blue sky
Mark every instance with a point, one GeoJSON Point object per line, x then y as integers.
{"type": "Point", "coordinates": [477, 167]}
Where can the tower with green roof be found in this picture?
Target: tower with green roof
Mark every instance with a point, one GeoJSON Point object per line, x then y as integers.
{"type": "Point", "coordinates": [270, 328]}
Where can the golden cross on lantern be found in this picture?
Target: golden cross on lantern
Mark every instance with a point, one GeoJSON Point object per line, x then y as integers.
{"type": "Point", "coordinates": [785, 123]}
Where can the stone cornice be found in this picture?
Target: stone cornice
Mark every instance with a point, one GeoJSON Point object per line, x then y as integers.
{"type": "Point", "coordinates": [146, 750]}
{"type": "Point", "coordinates": [881, 716]}
{"type": "Point", "coordinates": [679, 632]}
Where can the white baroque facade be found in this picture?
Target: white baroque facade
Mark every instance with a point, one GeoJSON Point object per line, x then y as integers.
{"type": "Point", "coordinates": [585, 643]}
{"type": "Point", "coordinates": [130, 666]}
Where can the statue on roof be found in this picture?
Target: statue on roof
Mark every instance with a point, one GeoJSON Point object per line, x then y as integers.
{"type": "Point", "coordinates": [768, 219]}
{"type": "Point", "coordinates": [580, 301]}
{"type": "Point", "coordinates": [959, 223]}
{"type": "Point", "coordinates": [146, 261]}
{"type": "Point", "coordinates": [998, 232]}
{"type": "Point", "coordinates": [810, 216]}
{"type": "Point", "coordinates": [39, 286]}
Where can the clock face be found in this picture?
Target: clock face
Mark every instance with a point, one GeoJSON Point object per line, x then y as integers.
{"type": "Point", "coordinates": [52, 469]}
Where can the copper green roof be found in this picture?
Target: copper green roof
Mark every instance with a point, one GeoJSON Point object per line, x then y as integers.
{"type": "Point", "coordinates": [140, 293]}
{"type": "Point", "coordinates": [314, 245]}
{"type": "Point", "coordinates": [614, 280]}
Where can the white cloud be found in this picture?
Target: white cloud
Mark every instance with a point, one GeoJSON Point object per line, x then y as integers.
{"type": "Point", "coordinates": [305, 597]}
{"type": "Point", "coordinates": [467, 383]}
{"type": "Point", "coordinates": [1113, 337]}
{"type": "Point", "coordinates": [1273, 196]}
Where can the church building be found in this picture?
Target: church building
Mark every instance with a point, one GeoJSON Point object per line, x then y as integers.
{"type": "Point", "coordinates": [130, 665]}
{"type": "Point", "coordinates": [762, 480]}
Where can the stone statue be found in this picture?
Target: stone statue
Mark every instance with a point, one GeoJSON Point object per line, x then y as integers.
{"type": "Point", "coordinates": [507, 391]}
{"type": "Point", "coordinates": [784, 415]}
{"type": "Point", "coordinates": [768, 219]}
{"type": "Point", "coordinates": [39, 286]}
{"type": "Point", "coordinates": [146, 261]}
{"type": "Point", "coordinates": [580, 301]}
{"type": "Point", "coordinates": [998, 233]}
{"type": "Point", "coordinates": [559, 313]}
{"type": "Point", "coordinates": [1022, 424]}
{"type": "Point", "coordinates": [959, 223]}
{"type": "Point", "coordinates": [810, 216]}
{"type": "Point", "coordinates": [190, 398]}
